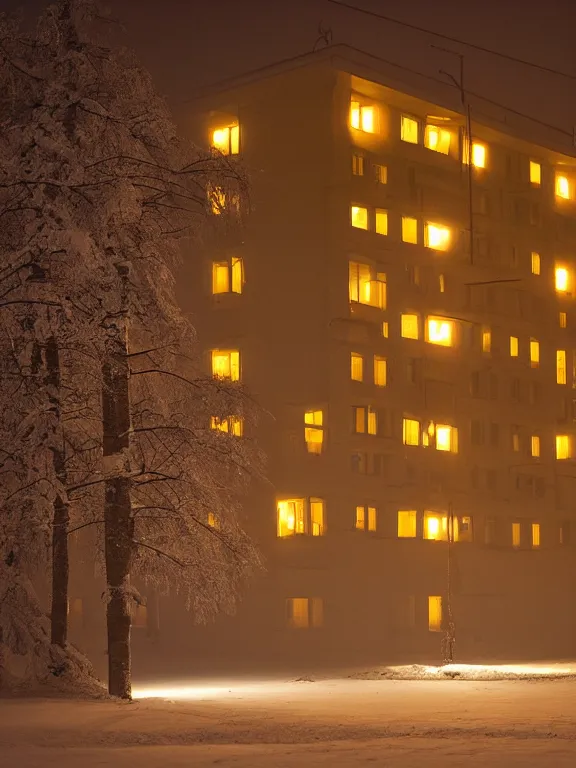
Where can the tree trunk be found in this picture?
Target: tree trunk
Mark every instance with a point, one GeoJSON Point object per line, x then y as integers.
{"type": "Point", "coordinates": [118, 520]}
{"type": "Point", "coordinates": [61, 517]}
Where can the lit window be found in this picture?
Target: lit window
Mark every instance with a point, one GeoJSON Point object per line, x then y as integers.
{"type": "Point", "coordinates": [435, 526]}
{"type": "Point", "coordinates": [363, 288]}
{"type": "Point", "coordinates": [437, 139]}
{"type": "Point", "coordinates": [381, 173]}
{"type": "Point", "coordinates": [357, 165]}
{"type": "Point", "coordinates": [304, 612]}
{"type": "Point", "coordinates": [365, 518]}
{"type": "Point", "coordinates": [441, 283]}
{"type": "Point", "coordinates": [228, 276]}
{"type": "Point", "coordinates": [362, 117]}
{"type": "Point", "coordinates": [409, 229]}
{"type": "Point", "coordinates": [406, 523]}
{"type": "Point", "coordinates": [562, 319]}
{"type": "Point", "coordinates": [316, 517]}
{"type": "Point", "coordinates": [410, 432]}
{"type": "Point", "coordinates": [227, 140]}
{"type": "Point", "coordinates": [226, 364]}
{"type": "Point", "coordinates": [381, 222]}
{"type": "Point", "coordinates": [561, 377]}
{"type": "Point", "coordinates": [233, 425]}
{"type": "Point", "coordinates": [300, 516]}
{"type": "Point", "coordinates": [516, 535]}
{"type": "Point", "coordinates": [356, 367]}
{"type": "Point", "coordinates": [534, 353]}
{"type": "Point", "coordinates": [409, 129]}
{"type": "Point", "coordinates": [436, 236]}
{"type": "Point", "coordinates": [563, 187]}
{"type": "Point", "coordinates": [535, 535]}
{"type": "Point", "coordinates": [365, 420]}
{"type": "Point", "coordinates": [513, 346]}
{"type": "Point", "coordinates": [385, 329]}
{"type": "Point", "coordinates": [359, 217]}
{"type": "Point", "coordinates": [486, 340]}
{"type": "Point", "coordinates": [535, 173]}
{"type": "Point", "coordinates": [440, 331]}
{"type": "Point", "coordinates": [446, 438]}
{"type": "Point", "coordinates": [561, 279]}
{"type": "Point", "coordinates": [217, 199]}
{"type": "Point", "coordinates": [313, 431]}
{"type": "Point", "coordinates": [535, 446]}
{"type": "Point", "coordinates": [213, 521]}
{"type": "Point", "coordinates": [409, 326]}
{"type": "Point", "coordinates": [563, 447]}
{"type": "Point", "coordinates": [379, 371]}
{"type": "Point", "coordinates": [535, 263]}
{"type": "Point", "coordinates": [478, 155]}
{"type": "Point", "coordinates": [434, 613]}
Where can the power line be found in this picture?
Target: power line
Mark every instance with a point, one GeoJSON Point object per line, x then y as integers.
{"type": "Point", "coordinates": [448, 84]}
{"type": "Point", "coordinates": [407, 24]}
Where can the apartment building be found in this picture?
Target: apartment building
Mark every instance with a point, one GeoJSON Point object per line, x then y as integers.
{"type": "Point", "coordinates": [401, 303]}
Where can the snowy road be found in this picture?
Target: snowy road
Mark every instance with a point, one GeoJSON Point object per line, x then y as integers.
{"type": "Point", "coordinates": [275, 724]}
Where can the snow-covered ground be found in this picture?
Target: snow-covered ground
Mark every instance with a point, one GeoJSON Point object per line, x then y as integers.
{"type": "Point", "coordinates": [284, 724]}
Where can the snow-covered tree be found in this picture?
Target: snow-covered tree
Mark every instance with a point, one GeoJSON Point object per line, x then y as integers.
{"type": "Point", "coordinates": [96, 195]}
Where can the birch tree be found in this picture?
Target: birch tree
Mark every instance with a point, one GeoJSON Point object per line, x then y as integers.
{"type": "Point", "coordinates": [98, 189]}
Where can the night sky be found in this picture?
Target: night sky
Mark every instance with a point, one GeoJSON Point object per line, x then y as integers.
{"type": "Point", "coordinates": [191, 43]}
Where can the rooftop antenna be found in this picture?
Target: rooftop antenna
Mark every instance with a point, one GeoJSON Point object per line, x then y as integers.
{"type": "Point", "coordinates": [324, 37]}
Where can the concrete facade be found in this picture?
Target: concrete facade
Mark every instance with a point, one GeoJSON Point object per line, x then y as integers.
{"type": "Point", "coordinates": [506, 572]}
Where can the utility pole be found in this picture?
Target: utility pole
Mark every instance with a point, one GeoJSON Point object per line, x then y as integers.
{"type": "Point", "coordinates": [459, 83]}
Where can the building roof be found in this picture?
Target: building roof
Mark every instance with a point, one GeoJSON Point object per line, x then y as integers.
{"type": "Point", "coordinates": [421, 85]}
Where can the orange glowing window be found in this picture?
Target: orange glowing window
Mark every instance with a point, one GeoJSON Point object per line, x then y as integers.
{"type": "Point", "coordinates": [359, 217]}
{"type": "Point", "coordinates": [356, 367]}
{"type": "Point", "coordinates": [440, 331]}
{"type": "Point", "coordinates": [535, 263]}
{"type": "Point", "coordinates": [365, 518]}
{"type": "Point", "coordinates": [435, 526]}
{"type": "Point", "coordinates": [446, 438]}
{"type": "Point", "coordinates": [300, 516]}
{"type": "Point", "coordinates": [437, 139]}
{"type": "Point", "coordinates": [227, 140]}
{"type": "Point", "coordinates": [362, 117]}
{"type": "Point", "coordinates": [435, 613]}
{"type": "Point", "coordinates": [563, 447]}
{"type": "Point", "coordinates": [436, 236]}
{"type": "Point", "coordinates": [366, 286]}
{"type": "Point", "coordinates": [513, 346]}
{"type": "Point", "coordinates": [563, 187]}
{"type": "Point", "coordinates": [381, 222]}
{"type": "Point", "coordinates": [406, 523]}
{"type": "Point", "coordinates": [409, 229]}
{"type": "Point", "coordinates": [410, 326]}
{"type": "Point", "coordinates": [534, 353]}
{"type": "Point", "coordinates": [410, 431]}
{"type": "Point", "coordinates": [516, 535]}
{"type": "Point", "coordinates": [561, 377]}
{"type": "Point", "coordinates": [535, 173]}
{"type": "Point", "coordinates": [535, 446]}
{"type": "Point", "coordinates": [409, 129]}
{"type": "Point", "coordinates": [226, 364]}
{"type": "Point", "coordinates": [561, 279]}
{"type": "Point", "coordinates": [535, 535]}
{"type": "Point", "coordinates": [228, 276]}
{"type": "Point", "coordinates": [314, 431]}
{"type": "Point", "coordinates": [233, 425]}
